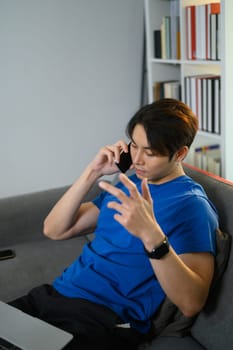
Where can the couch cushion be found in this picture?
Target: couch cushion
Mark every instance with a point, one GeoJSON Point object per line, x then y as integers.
{"type": "Point", "coordinates": [168, 343]}
{"type": "Point", "coordinates": [22, 216]}
{"type": "Point", "coordinates": [36, 263]}
{"type": "Point", "coordinates": [169, 320]}
{"type": "Point", "coordinates": [213, 327]}
{"type": "Point", "coordinates": [223, 250]}
{"type": "Point", "coordinates": [219, 191]}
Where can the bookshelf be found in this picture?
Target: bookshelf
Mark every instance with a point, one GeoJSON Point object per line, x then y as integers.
{"type": "Point", "coordinates": [179, 67]}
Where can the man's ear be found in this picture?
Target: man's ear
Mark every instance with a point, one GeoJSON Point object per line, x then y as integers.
{"type": "Point", "coordinates": [182, 153]}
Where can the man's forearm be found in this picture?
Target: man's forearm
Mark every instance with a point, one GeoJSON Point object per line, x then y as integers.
{"type": "Point", "coordinates": [64, 213]}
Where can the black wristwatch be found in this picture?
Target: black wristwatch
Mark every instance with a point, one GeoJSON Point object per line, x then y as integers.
{"type": "Point", "coordinates": [159, 251]}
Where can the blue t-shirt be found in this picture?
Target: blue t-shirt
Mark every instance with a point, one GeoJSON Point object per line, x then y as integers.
{"type": "Point", "coordinates": [113, 269]}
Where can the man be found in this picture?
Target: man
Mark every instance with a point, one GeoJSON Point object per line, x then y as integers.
{"type": "Point", "coordinates": [154, 237]}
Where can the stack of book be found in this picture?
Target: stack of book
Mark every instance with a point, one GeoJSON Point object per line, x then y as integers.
{"type": "Point", "coordinates": [203, 28]}
{"type": "Point", "coordinates": [167, 37]}
{"type": "Point", "coordinates": [167, 89]}
{"type": "Point", "coordinates": [203, 95]}
{"type": "Point", "coordinates": [207, 157]}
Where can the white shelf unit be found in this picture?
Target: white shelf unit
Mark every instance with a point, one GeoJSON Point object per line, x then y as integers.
{"type": "Point", "coordinates": [173, 69]}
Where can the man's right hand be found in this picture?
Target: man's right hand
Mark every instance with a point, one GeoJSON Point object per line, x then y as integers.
{"type": "Point", "coordinates": [104, 161]}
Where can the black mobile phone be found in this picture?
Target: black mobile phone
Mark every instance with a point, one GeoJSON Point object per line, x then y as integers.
{"type": "Point", "coordinates": [125, 160]}
{"type": "Point", "coordinates": [7, 254]}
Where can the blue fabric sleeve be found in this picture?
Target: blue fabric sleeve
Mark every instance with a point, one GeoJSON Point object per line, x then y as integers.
{"type": "Point", "coordinates": [196, 229]}
{"type": "Point", "coordinates": [99, 199]}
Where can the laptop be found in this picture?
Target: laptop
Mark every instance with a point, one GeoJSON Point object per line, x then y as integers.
{"type": "Point", "coordinates": [29, 333]}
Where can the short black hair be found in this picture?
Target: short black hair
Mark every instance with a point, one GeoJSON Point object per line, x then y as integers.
{"type": "Point", "coordinates": [169, 124]}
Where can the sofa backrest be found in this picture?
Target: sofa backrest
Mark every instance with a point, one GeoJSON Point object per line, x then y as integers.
{"type": "Point", "coordinates": [22, 216]}
{"type": "Point", "coordinates": [213, 327]}
{"type": "Point", "coordinates": [220, 192]}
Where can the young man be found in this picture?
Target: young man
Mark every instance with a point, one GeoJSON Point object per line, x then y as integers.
{"type": "Point", "coordinates": [154, 237]}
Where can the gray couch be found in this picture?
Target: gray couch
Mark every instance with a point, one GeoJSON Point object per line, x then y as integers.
{"type": "Point", "coordinates": [39, 260]}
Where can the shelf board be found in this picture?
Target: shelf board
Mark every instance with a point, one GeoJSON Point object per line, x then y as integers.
{"type": "Point", "coordinates": [190, 62]}
{"type": "Point", "coordinates": [210, 135]}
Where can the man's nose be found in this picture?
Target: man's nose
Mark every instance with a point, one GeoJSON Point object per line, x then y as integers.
{"type": "Point", "coordinates": [138, 159]}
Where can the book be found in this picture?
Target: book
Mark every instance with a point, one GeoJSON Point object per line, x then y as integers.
{"type": "Point", "coordinates": [193, 94]}
{"type": "Point", "coordinates": [211, 9]}
{"type": "Point", "coordinates": [167, 21]}
{"type": "Point", "coordinates": [190, 18]}
{"type": "Point", "coordinates": [163, 39]}
{"type": "Point", "coordinates": [200, 27]}
{"type": "Point", "coordinates": [188, 32]}
{"type": "Point", "coordinates": [195, 98]}
{"type": "Point", "coordinates": [210, 106]}
{"type": "Point", "coordinates": [172, 89]}
{"type": "Point", "coordinates": [213, 36]}
{"type": "Point", "coordinates": [202, 95]}
{"type": "Point", "coordinates": [157, 44]}
{"type": "Point", "coordinates": [175, 29]}
{"type": "Point", "coordinates": [217, 104]}
{"type": "Point", "coordinates": [218, 38]}
{"type": "Point", "coordinates": [187, 91]}
{"type": "Point", "coordinates": [212, 159]}
{"type": "Point", "coordinates": [214, 7]}
{"type": "Point", "coordinates": [208, 157]}
{"type": "Point", "coordinates": [157, 93]}
{"type": "Point", "coordinates": [211, 102]}
{"type": "Point", "coordinates": [203, 36]}
{"type": "Point", "coordinates": [199, 101]}
{"type": "Point", "coordinates": [166, 89]}
{"type": "Point", "coordinates": [178, 52]}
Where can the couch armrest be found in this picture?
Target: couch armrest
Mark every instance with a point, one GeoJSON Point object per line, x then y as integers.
{"type": "Point", "coordinates": [22, 216]}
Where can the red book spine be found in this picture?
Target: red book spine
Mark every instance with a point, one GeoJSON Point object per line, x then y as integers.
{"type": "Point", "coordinates": [193, 32]}
{"type": "Point", "coordinates": [190, 14]}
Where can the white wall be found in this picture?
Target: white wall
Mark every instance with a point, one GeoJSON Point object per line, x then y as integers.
{"type": "Point", "coordinates": [70, 74]}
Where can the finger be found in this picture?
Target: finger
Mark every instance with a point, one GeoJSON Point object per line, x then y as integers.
{"type": "Point", "coordinates": [116, 192]}
{"type": "Point", "coordinates": [146, 191]}
{"type": "Point", "coordinates": [111, 154]}
{"type": "Point", "coordinates": [119, 147]}
{"type": "Point", "coordinates": [116, 206]}
{"type": "Point", "coordinates": [122, 145]}
{"type": "Point", "coordinates": [130, 185]}
{"type": "Point", "coordinates": [119, 218]}
{"type": "Point", "coordinates": [108, 153]}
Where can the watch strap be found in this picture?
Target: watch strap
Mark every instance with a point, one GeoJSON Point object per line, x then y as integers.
{"type": "Point", "coordinates": [159, 251]}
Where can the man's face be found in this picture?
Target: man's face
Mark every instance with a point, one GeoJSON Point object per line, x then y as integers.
{"type": "Point", "coordinates": [156, 168]}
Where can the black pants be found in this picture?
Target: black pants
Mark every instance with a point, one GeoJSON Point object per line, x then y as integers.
{"type": "Point", "coordinates": [93, 326]}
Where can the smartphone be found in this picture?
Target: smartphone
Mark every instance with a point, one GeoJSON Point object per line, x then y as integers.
{"type": "Point", "coordinates": [125, 160]}
{"type": "Point", "coordinates": [7, 254]}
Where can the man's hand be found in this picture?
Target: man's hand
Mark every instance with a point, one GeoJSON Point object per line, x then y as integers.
{"type": "Point", "coordinates": [104, 161]}
{"type": "Point", "coordinates": [135, 211]}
